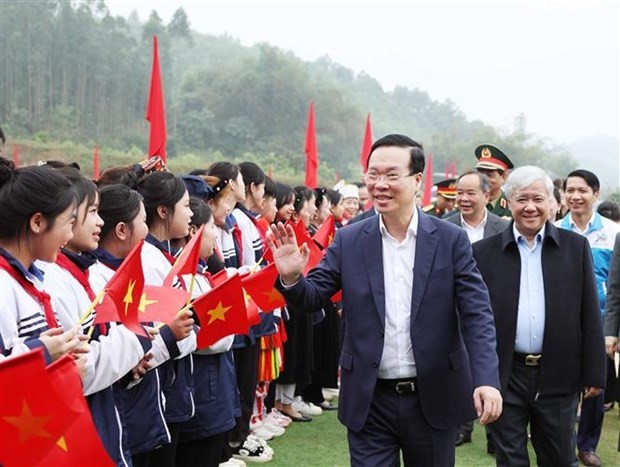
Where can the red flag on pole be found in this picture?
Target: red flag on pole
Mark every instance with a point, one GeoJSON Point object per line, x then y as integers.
{"type": "Point", "coordinates": [155, 112]}
{"type": "Point", "coordinates": [446, 172]}
{"type": "Point", "coordinates": [33, 415]}
{"type": "Point", "coordinates": [270, 173]}
{"type": "Point", "coordinates": [15, 155]}
{"type": "Point", "coordinates": [453, 169]}
{"type": "Point", "coordinates": [428, 181]}
{"type": "Point", "coordinates": [187, 262]}
{"type": "Point", "coordinates": [96, 163]}
{"type": "Point", "coordinates": [326, 232]}
{"type": "Point", "coordinates": [312, 152]}
{"type": "Point", "coordinates": [221, 312]}
{"type": "Point", "coordinates": [81, 441]}
{"type": "Point", "coordinates": [302, 236]}
{"type": "Point", "coordinates": [125, 290]}
{"type": "Point", "coordinates": [260, 286]}
{"type": "Point", "coordinates": [366, 145]}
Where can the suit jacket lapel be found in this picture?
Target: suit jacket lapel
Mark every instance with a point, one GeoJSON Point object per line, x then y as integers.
{"type": "Point", "coordinates": [425, 249]}
{"type": "Point", "coordinates": [372, 253]}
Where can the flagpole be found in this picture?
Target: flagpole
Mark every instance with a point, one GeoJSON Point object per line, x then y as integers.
{"type": "Point", "coordinates": [191, 288]}
{"type": "Point", "coordinates": [91, 307]}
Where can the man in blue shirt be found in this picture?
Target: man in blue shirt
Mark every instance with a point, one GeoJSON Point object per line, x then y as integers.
{"type": "Point", "coordinates": [549, 335]}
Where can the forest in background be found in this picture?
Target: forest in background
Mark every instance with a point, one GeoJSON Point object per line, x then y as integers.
{"type": "Point", "coordinates": [72, 76]}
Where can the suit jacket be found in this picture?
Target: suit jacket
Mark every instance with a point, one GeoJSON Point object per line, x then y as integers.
{"type": "Point", "coordinates": [573, 345]}
{"type": "Point", "coordinates": [612, 317]}
{"type": "Point", "coordinates": [454, 350]}
{"type": "Point", "coordinates": [365, 215]}
{"type": "Point", "coordinates": [494, 225]}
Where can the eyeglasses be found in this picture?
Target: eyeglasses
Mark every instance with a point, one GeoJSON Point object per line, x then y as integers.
{"type": "Point", "coordinates": [389, 178]}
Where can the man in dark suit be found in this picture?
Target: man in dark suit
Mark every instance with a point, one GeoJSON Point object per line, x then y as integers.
{"type": "Point", "coordinates": [418, 329]}
{"type": "Point", "coordinates": [549, 334]}
{"type": "Point", "coordinates": [472, 196]}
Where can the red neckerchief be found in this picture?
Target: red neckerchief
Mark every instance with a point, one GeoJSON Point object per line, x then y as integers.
{"type": "Point", "coordinates": [236, 233]}
{"type": "Point", "coordinates": [81, 276]}
{"type": "Point", "coordinates": [39, 295]}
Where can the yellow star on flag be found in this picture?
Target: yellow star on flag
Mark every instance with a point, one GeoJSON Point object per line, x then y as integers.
{"type": "Point", "coordinates": [219, 312]}
{"type": "Point", "coordinates": [62, 443]}
{"type": "Point", "coordinates": [29, 424]}
{"type": "Point", "coordinates": [144, 302]}
{"type": "Point", "coordinates": [272, 295]}
{"type": "Point", "coordinates": [129, 295]}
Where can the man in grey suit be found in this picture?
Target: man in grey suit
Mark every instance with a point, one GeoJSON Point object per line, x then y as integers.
{"type": "Point", "coordinates": [472, 196]}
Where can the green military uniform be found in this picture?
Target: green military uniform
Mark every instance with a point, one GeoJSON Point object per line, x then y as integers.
{"type": "Point", "coordinates": [500, 207]}
{"type": "Point", "coordinates": [492, 158]}
{"type": "Point", "coordinates": [447, 189]}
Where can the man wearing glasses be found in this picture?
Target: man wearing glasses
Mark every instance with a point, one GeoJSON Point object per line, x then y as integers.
{"type": "Point", "coordinates": [418, 354]}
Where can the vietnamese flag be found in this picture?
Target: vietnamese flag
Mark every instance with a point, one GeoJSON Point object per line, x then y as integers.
{"type": "Point", "coordinates": [161, 304]}
{"type": "Point", "coordinates": [34, 417]}
{"type": "Point", "coordinates": [221, 312]}
{"type": "Point", "coordinates": [155, 112]}
{"type": "Point", "coordinates": [428, 181]}
{"type": "Point", "coordinates": [325, 235]}
{"type": "Point", "coordinates": [125, 290]}
{"type": "Point", "coordinates": [301, 234]}
{"type": "Point", "coordinates": [260, 287]}
{"type": "Point", "coordinates": [252, 309]}
{"type": "Point", "coordinates": [16, 156]}
{"type": "Point", "coordinates": [366, 145]}
{"type": "Point", "coordinates": [80, 443]}
{"type": "Point", "coordinates": [312, 152]}
{"type": "Point", "coordinates": [187, 262]}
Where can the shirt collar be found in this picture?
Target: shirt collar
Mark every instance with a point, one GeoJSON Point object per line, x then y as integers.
{"type": "Point", "coordinates": [521, 239]}
{"type": "Point", "coordinates": [412, 230]}
{"type": "Point", "coordinates": [482, 224]}
{"type": "Point", "coordinates": [31, 273]}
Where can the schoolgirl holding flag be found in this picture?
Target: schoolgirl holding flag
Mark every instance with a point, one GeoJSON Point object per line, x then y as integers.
{"type": "Point", "coordinates": [115, 350]}
{"type": "Point", "coordinates": [168, 216]}
{"type": "Point", "coordinates": [38, 211]}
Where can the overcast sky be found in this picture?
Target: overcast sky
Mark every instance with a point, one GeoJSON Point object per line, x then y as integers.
{"type": "Point", "coordinates": [556, 61]}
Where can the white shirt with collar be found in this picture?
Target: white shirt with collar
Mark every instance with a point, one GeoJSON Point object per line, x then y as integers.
{"type": "Point", "coordinates": [475, 233]}
{"type": "Point", "coordinates": [397, 360]}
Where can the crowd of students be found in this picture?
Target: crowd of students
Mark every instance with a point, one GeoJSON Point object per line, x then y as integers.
{"type": "Point", "coordinates": [156, 400]}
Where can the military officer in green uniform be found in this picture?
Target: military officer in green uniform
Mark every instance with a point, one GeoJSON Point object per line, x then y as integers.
{"type": "Point", "coordinates": [446, 194]}
{"type": "Point", "coordinates": [493, 163]}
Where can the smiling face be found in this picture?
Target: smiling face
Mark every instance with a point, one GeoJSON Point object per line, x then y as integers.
{"type": "Point", "coordinates": [286, 210]}
{"type": "Point", "coordinates": [221, 207]}
{"type": "Point", "coordinates": [50, 236]}
{"type": "Point", "coordinates": [470, 198]}
{"type": "Point", "coordinates": [530, 208]}
{"type": "Point", "coordinates": [580, 197]}
{"type": "Point", "coordinates": [87, 227]}
{"type": "Point", "coordinates": [396, 197]}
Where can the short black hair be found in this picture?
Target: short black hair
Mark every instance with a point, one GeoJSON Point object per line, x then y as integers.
{"type": "Point", "coordinates": [591, 180]}
{"type": "Point", "coordinates": [201, 212]}
{"type": "Point", "coordinates": [251, 173]}
{"type": "Point", "coordinates": [117, 203]}
{"type": "Point", "coordinates": [610, 210]}
{"type": "Point", "coordinates": [160, 189]}
{"type": "Point", "coordinates": [334, 196]}
{"type": "Point", "coordinates": [224, 171]}
{"type": "Point", "coordinates": [30, 190]}
{"type": "Point", "coordinates": [270, 187]}
{"type": "Point", "coordinates": [416, 161]}
{"type": "Point", "coordinates": [284, 194]}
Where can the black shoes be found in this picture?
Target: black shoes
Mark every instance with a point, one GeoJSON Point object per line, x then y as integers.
{"type": "Point", "coordinates": [462, 438]}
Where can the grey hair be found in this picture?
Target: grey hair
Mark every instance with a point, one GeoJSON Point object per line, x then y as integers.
{"type": "Point", "coordinates": [524, 176]}
{"type": "Point", "coordinates": [485, 184]}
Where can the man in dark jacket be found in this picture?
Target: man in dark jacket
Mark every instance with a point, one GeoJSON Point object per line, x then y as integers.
{"type": "Point", "coordinates": [549, 334]}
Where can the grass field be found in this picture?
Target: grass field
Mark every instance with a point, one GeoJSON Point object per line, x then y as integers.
{"type": "Point", "coordinates": [323, 443]}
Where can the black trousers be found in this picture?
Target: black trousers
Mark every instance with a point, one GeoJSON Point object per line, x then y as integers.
{"type": "Point", "coordinates": [204, 452]}
{"type": "Point", "coordinates": [246, 364]}
{"type": "Point", "coordinates": [551, 420]}
{"type": "Point", "coordinates": [395, 423]}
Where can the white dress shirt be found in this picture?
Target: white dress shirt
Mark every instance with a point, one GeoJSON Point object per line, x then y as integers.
{"type": "Point", "coordinates": [398, 262]}
{"type": "Point", "coordinates": [474, 233]}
